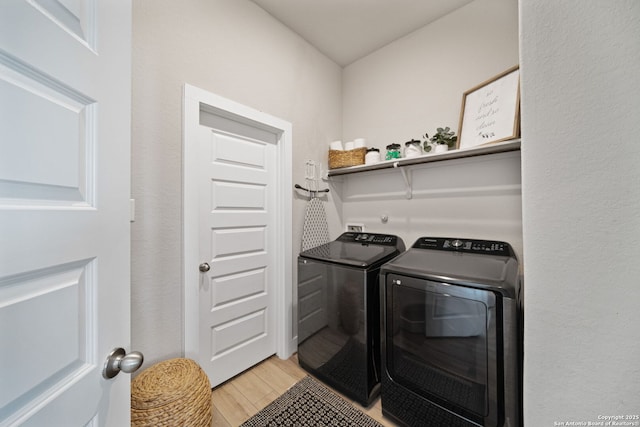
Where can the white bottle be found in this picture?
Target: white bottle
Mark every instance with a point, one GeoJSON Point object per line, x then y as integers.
{"type": "Point", "coordinates": [412, 148]}
{"type": "Point", "coordinates": [372, 156]}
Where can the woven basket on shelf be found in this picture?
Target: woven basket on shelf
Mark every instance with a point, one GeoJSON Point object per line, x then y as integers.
{"type": "Point", "coordinates": [172, 393]}
{"type": "Point", "coordinates": [342, 159]}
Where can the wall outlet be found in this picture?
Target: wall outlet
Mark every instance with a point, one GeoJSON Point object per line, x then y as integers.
{"type": "Point", "coordinates": [356, 228]}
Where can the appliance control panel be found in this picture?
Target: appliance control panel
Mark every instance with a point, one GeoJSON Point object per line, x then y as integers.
{"type": "Point", "coordinates": [486, 247]}
{"type": "Point", "coordinates": [369, 238]}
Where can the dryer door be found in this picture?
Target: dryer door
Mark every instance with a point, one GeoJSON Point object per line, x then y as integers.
{"type": "Point", "coordinates": [441, 343]}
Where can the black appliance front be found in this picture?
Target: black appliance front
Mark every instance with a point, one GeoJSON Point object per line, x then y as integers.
{"type": "Point", "coordinates": [339, 311]}
{"type": "Point", "coordinates": [451, 337]}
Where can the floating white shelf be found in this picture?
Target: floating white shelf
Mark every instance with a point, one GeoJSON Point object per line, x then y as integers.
{"type": "Point", "coordinates": [481, 150]}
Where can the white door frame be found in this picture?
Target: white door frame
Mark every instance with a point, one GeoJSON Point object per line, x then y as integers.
{"type": "Point", "coordinates": [193, 100]}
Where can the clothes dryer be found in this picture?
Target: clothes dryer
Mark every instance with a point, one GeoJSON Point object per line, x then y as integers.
{"type": "Point", "coordinates": [452, 334]}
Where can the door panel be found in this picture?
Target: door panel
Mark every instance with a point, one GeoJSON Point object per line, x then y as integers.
{"type": "Point", "coordinates": [237, 240]}
{"type": "Point", "coordinates": [35, 163]}
{"type": "Point", "coordinates": [73, 16]}
{"type": "Point", "coordinates": [235, 195]}
{"type": "Point", "coordinates": [64, 210]}
{"type": "Point", "coordinates": [240, 152]}
{"type": "Point", "coordinates": [35, 170]}
{"type": "Point", "coordinates": [22, 302]}
{"type": "Point", "coordinates": [231, 219]}
{"type": "Point", "coordinates": [228, 335]}
{"type": "Point", "coordinates": [225, 289]}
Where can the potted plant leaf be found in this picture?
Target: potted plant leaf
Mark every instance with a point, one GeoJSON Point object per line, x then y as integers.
{"type": "Point", "coordinates": [426, 144]}
{"type": "Point", "coordinates": [442, 140]}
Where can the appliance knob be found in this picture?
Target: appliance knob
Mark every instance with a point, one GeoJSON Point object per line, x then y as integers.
{"type": "Point", "coordinates": [457, 243]}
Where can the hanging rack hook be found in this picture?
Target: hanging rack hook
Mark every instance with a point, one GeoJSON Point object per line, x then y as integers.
{"type": "Point", "coordinates": [312, 193]}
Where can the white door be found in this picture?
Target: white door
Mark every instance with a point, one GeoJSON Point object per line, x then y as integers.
{"type": "Point", "coordinates": [239, 268]}
{"type": "Point", "coordinates": [237, 322]}
{"type": "Point", "coordinates": [64, 210]}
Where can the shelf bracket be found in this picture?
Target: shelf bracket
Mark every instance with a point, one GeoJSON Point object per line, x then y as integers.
{"type": "Point", "coordinates": [407, 180]}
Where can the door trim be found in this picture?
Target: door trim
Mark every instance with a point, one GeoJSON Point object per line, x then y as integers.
{"type": "Point", "coordinates": [194, 99]}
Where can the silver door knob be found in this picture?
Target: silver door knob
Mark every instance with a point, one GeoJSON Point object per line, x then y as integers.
{"type": "Point", "coordinates": [118, 360]}
{"type": "Point", "coordinates": [204, 267]}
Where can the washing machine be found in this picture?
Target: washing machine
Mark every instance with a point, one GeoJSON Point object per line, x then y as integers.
{"type": "Point", "coordinates": [339, 311]}
{"type": "Point", "coordinates": [452, 334]}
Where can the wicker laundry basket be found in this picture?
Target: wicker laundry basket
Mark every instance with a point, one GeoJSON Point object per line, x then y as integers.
{"type": "Point", "coordinates": [172, 393]}
{"type": "Point", "coordinates": [343, 159]}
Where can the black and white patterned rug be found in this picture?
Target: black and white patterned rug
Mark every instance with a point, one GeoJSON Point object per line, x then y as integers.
{"type": "Point", "coordinates": [309, 403]}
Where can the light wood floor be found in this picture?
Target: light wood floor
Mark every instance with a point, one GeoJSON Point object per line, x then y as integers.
{"type": "Point", "coordinates": [243, 396]}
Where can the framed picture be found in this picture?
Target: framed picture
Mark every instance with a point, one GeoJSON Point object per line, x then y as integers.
{"type": "Point", "coordinates": [491, 111]}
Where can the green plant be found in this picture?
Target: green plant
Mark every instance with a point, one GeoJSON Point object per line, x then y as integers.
{"type": "Point", "coordinates": [444, 137]}
{"type": "Point", "coordinates": [425, 144]}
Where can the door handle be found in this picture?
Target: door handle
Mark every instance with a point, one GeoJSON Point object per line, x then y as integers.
{"type": "Point", "coordinates": [204, 267]}
{"type": "Point", "coordinates": [118, 360]}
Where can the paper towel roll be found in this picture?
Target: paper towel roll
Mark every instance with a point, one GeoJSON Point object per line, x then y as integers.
{"type": "Point", "coordinates": [336, 145]}
{"type": "Point", "coordinates": [359, 143]}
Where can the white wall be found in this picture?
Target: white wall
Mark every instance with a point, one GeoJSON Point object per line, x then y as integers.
{"type": "Point", "coordinates": [475, 197]}
{"type": "Point", "coordinates": [415, 84]}
{"type": "Point", "coordinates": [236, 50]}
{"type": "Point", "coordinates": [581, 198]}
{"type": "Point", "coordinates": [411, 87]}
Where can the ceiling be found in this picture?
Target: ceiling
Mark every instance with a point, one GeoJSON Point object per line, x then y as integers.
{"type": "Point", "coordinates": [347, 30]}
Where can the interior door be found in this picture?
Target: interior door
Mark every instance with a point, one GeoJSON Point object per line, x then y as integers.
{"type": "Point", "coordinates": [237, 205]}
{"type": "Point", "coordinates": [64, 210]}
